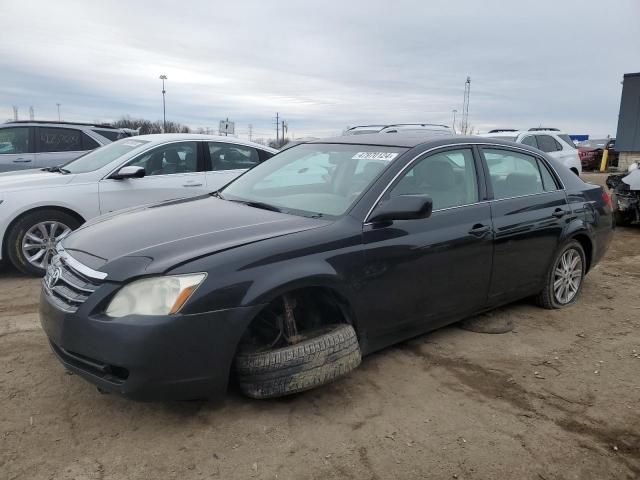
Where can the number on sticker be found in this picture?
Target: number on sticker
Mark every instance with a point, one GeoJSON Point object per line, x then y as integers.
{"type": "Point", "coordinates": [386, 156]}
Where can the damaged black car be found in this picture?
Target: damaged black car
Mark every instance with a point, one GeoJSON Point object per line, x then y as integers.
{"type": "Point", "coordinates": [626, 196]}
{"type": "Point", "coordinates": [284, 279]}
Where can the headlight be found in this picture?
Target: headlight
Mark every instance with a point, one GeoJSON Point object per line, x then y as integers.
{"type": "Point", "coordinates": [155, 296]}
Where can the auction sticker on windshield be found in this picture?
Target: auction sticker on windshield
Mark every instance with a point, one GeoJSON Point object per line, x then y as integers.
{"type": "Point", "coordinates": [386, 156]}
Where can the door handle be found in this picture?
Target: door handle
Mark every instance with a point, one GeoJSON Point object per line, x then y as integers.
{"type": "Point", "coordinates": [559, 213]}
{"type": "Point", "coordinates": [479, 230]}
{"type": "Point", "coordinates": [192, 185]}
{"type": "Point", "coordinates": [21, 160]}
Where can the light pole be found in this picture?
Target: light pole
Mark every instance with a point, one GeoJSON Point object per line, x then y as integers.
{"type": "Point", "coordinates": [58, 104]}
{"type": "Point", "coordinates": [454, 111]}
{"type": "Point", "coordinates": [163, 77]}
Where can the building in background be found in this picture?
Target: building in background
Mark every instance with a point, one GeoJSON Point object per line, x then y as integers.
{"type": "Point", "coordinates": [628, 135]}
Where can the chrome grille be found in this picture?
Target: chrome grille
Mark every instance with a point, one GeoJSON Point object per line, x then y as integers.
{"type": "Point", "coordinates": [66, 287]}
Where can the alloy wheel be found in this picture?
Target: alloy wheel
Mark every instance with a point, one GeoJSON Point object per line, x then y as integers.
{"type": "Point", "coordinates": [39, 243]}
{"type": "Point", "coordinates": [567, 276]}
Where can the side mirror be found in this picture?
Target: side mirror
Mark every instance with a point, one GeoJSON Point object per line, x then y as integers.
{"type": "Point", "coordinates": [403, 207]}
{"type": "Point", "coordinates": [129, 172]}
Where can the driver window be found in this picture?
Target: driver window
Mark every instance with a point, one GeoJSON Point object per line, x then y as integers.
{"type": "Point", "coordinates": [449, 178]}
{"type": "Point", "coordinates": [169, 159]}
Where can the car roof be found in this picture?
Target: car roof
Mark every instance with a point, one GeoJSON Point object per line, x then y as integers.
{"type": "Point", "coordinates": [515, 133]}
{"type": "Point", "coordinates": [407, 140]}
{"type": "Point", "coordinates": [59, 123]}
{"type": "Point", "coordinates": [171, 137]}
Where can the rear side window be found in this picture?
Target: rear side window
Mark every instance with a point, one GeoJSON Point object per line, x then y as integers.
{"type": "Point", "coordinates": [547, 143]}
{"type": "Point", "coordinates": [227, 156]}
{"type": "Point", "coordinates": [548, 182]}
{"type": "Point", "coordinates": [112, 135]}
{"type": "Point", "coordinates": [264, 155]}
{"type": "Point", "coordinates": [58, 140]}
{"type": "Point", "coordinates": [88, 143]}
{"type": "Point", "coordinates": [513, 174]}
{"type": "Point", "coordinates": [531, 141]}
{"type": "Point", "coordinates": [567, 139]}
{"type": "Point", "coordinates": [15, 140]}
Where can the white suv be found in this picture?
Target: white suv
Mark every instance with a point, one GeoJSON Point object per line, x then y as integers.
{"type": "Point", "coordinates": [31, 144]}
{"type": "Point", "coordinates": [554, 143]}
{"type": "Point", "coordinates": [40, 207]}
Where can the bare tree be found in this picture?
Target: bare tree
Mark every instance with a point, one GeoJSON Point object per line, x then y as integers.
{"type": "Point", "coordinates": [147, 126]}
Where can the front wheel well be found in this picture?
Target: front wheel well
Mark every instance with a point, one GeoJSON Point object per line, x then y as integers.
{"type": "Point", "coordinates": [312, 307]}
{"type": "Point", "coordinates": [68, 211]}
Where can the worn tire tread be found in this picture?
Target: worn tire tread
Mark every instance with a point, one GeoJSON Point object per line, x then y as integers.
{"type": "Point", "coordinates": [311, 363]}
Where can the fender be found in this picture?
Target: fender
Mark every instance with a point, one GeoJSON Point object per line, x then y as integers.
{"type": "Point", "coordinates": [293, 276]}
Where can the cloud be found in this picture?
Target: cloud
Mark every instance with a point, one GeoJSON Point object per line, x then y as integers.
{"type": "Point", "coordinates": [321, 65]}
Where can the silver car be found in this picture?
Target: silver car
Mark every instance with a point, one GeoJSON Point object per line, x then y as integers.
{"type": "Point", "coordinates": [26, 144]}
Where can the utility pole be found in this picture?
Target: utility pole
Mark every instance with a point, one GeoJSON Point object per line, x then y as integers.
{"type": "Point", "coordinates": [59, 118]}
{"type": "Point", "coordinates": [163, 77]}
{"type": "Point", "coordinates": [285, 129]}
{"type": "Point", "coordinates": [454, 111]}
{"type": "Point", "coordinates": [31, 113]}
{"type": "Point", "coordinates": [277, 128]}
{"type": "Point", "coordinates": [465, 106]}
{"type": "Point", "coordinates": [250, 131]}
{"type": "Point", "coordinates": [15, 113]}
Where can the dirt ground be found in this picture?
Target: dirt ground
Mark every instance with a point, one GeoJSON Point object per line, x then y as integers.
{"type": "Point", "coordinates": [557, 398]}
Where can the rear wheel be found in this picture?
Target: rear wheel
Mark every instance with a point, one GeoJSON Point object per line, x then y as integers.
{"type": "Point", "coordinates": [564, 279]}
{"type": "Point", "coordinates": [31, 241]}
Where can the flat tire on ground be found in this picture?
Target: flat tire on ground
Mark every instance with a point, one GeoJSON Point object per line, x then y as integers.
{"type": "Point", "coordinates": [325, 354]}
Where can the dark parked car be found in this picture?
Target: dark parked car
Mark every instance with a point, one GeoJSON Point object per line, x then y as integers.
{"type": "Point", "coordinates": [283, 279]}
{"type": "Point", "coordinates": [590, 153]}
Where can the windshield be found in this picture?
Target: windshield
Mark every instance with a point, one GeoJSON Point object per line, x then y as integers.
{"type": "Point", "coordinates": [313, 179]}
{"type": "Point", "coordinates": [102, 156]}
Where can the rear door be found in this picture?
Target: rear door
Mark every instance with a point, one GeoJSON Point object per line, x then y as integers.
{"type": "Point", "coordinates": [56, 146]}
{"type": "Point", "coordinates": [529, 211]}
{"type": "Point", "coordinates": [174, 170]}
{"type": "Point", "coordinates": [16, 148]}
{"type": "Point", "coordinates": [227, 161]}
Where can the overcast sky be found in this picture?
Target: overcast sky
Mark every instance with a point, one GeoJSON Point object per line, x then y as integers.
{"type": "Point", "coordinates": [322, 65]}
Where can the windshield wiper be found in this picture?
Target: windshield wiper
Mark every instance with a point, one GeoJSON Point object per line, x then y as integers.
{"type": "Point", "coordinates": [262, 205]}
{"type": "Point", "coordinates": [217, 194]}
{"type": "Point", "coordinates": [58, 169]}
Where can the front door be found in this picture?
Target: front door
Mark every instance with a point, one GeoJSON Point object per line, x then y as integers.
{"type": "Point", "coordinates": [529, 214]}
{"type": "Point", "coordinates": [172, 171]}
{"type": "Point", "coordinates": [16, 148]}
{"type": "Point", "coordinates": [434, 269]}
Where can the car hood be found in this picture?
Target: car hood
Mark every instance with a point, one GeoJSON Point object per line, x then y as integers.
{"type": "Point", "coordinates": [33, 178]}
{"type": "Point", "coordinates": [159, 237]}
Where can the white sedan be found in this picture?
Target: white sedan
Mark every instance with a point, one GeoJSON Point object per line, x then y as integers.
{"type": "Point", "coordinates": [39, 207]}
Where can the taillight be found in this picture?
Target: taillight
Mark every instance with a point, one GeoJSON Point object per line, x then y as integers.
{"type": "Point", "coordinates": [607, 199]}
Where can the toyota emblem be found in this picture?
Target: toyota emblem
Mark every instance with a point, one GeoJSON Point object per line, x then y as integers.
{"type": "Point", "coordinates": [53, 277]}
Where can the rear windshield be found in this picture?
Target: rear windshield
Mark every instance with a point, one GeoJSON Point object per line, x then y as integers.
{"type": "Point", "coordinates": [567, 139]}
{"type": "Point", "coordinates": [103, 156]}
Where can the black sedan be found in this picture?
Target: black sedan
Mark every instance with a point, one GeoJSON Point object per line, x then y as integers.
{"type": "Point", "coordinates": [331, 250]}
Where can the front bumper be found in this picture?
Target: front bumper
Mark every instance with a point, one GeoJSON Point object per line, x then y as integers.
{"type": "Point", "coordinates": [170, 357]}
